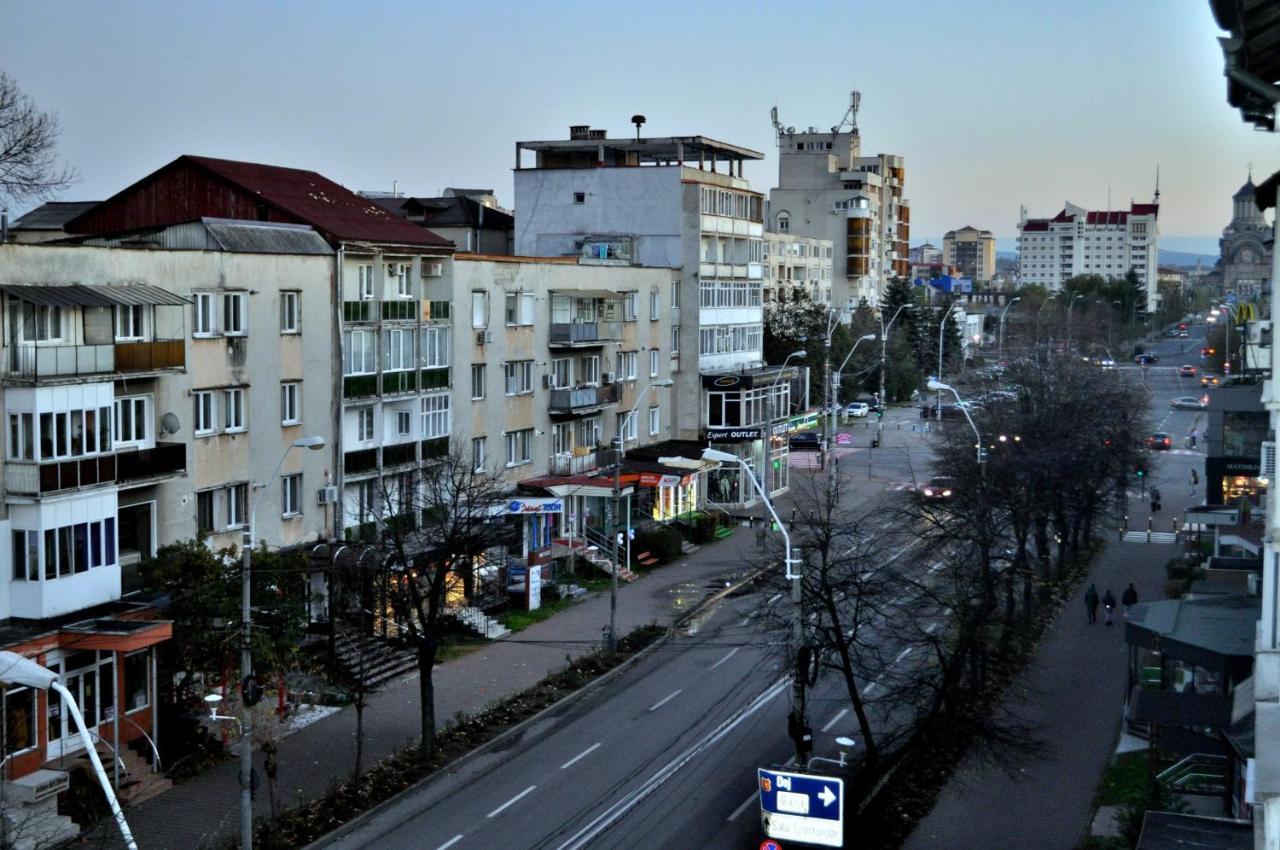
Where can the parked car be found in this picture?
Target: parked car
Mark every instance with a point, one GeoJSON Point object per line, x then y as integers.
{"type": "Point", "coordinates": [1208, 380]}
{"type": "Point", "coordinates": [1146, 359]}
{"type": "Point", "coordinates": [807, 441]}
{"type": "Point", "coordinates": [939, 487]}
{"type": "Point", "coordinates": [1183, 334]}
{"type": "Point", "coordinates": [1172, 333]}
{"type": "Point", "coordinates": [857, 409]}
{"type": "Point", "coordinates": [1186, 371]}
{"type": "Point", "coordinates": [1187, 402]}
{"type": "Point", "coordinates": [1160, 442]}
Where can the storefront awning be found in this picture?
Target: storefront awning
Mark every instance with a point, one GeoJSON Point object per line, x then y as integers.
{"type": "Point", "coordinates": [587, 293]}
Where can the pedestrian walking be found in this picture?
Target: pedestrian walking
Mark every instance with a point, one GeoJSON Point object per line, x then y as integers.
{"type": "Point", "coordinates": [1091, 604]}
{"type": "Point", "coordinates": [1194, 435]}
{"type": "Point", "coordinates": [1155, 500]}
{"type": "Point", "coordinates": [1108, 604]}
{"type": "Point", "coordinates": [1195, 480]}
{"type": "Point", "coordinates": [1129, 598]}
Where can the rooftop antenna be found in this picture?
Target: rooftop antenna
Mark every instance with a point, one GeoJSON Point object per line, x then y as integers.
{"type": "Point", "coordinates": [850, 118]}
{"type": "Point", "coordinates": [778, 129]}
{"type": "Point", "coordinates": [1157, 197]}
{"type": "Point", "coordinates": [638, 120]}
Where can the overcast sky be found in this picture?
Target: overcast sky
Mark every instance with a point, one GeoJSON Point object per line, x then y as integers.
{"type": "Point", "coordinates": [993, 104]}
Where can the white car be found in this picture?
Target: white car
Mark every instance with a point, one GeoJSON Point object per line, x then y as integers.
{"type": "Point", "coordinates": [858, 409]}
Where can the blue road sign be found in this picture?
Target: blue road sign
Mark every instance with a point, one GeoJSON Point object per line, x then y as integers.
{"type": "Point", "coordinates": [802, 807]}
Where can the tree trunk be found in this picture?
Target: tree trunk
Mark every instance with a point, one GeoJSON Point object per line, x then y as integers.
{"type": "Point", "coordinates": [427, 692]}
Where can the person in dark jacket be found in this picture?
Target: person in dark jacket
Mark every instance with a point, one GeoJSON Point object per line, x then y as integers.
{"type": "Point", "coordinates": [1129, 598]}
{"type": "Point", "coordinates": [1091, 603]}
{"type": "Point", "coordinates": [1109, 604]}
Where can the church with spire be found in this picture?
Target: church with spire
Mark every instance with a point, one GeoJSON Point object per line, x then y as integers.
{"type": "Point", "coordinates": [1244, 263]}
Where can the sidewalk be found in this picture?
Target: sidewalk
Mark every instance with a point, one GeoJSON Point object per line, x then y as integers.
{"type": "Point", "coordinates": [1072, 692]}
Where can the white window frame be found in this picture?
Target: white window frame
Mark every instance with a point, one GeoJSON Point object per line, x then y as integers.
{"type": "Point", "coordinates": [517, 377]}
{"type": "Point", "coordinates": [235, 314]}
{"type": "Point", "coordinates": [403, 423]}
{"type": "Point", "coordinates": [204, 320]}
{"type": "Point", "coordinates": [655, 304]}
{"type": "Point", "coordinates": [364, 278]}
{"type": "Point", "coordinates": [518, 309]}
{"type": "Point", "coordinates": [397, 350]}
{"type": "Point", "coordinates": [519, 446]}
{"type": "Point", "coordinates": [655, 421]}
{"type": "Point", "coordinates": [364, 424]}
{"type": "Point", "coordinates": [361, 345]}
{"type": "Point", "coordinates": [236, 497]}
{"type": "Point", "coordinates": [404, 280]}
{"type": "Point", "coordinates": [653, 363]}
{"type": "Point", "coordinates": [206, 413]}
{"type": "Point", "coordinates": [139, 410]}
{"type": "Point", "coordinates": [291, 403]}
{"type": "Point", "coordinates": [478, 449]}
{"type": "Point", "coordinates": [629, 306]}
{"type": "Point", "coordinates": [479, 309]}
{"type": "Point", "coordinates": [436, 416]}
{"type": "Point", "coordinates": [479, 381]}
{"type": "Point", "coordinates": [131, 321]}
{"type": "Point", "coordinates": [291, 495]}
{"type": "Point", "coordinates": [290, 312]}
{"type": "Point", "coordinates": [234, 415]}
{"type": "Point", "coordinates": [433, 346]}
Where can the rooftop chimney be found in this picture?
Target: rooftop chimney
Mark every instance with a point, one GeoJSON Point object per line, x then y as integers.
{"type": "Point", "coordinates": [595, 134]}
{"type": "Point", "coordinates": [578, 131]}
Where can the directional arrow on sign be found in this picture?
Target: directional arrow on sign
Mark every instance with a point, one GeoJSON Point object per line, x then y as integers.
{"type": "Point", "coordinates": [827, 796]}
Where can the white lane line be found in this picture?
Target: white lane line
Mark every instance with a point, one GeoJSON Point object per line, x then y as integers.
{"type": "Point", "coordinates": [732, 653]}
{"type": "Point", "coordinates": [932, 627]}
{"type": "Point", "coordinates": [903, 654]}
{"type": "Point", "coordinates": [517, 798]}
{"type": "Point", "coordinates": [833, 721]}
{"type": "Point", "coordinates": [745, 621]}
{"type": "Point", "coordinates": [747, 802]}
{"type": "Point", "coordinates": [668, 698]}
{"type": "Point", "coordinates": [869, 688]}
{"type": "Point", "coordinates": [588, 751]}
{"type": "Point", "coordinates": [450, 842]}
{"type": "Point", "coordinates": [935, 567]}
{"type": "Point", "coordinates": [774, 598]}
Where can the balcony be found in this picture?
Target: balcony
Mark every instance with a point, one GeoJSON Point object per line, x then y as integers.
{"type": "Point", "coordinates": [574, 334]}
{"type": "Point", "coordinates": [583, 399]}
{"type": "Point", "coordinates": [39, 479]}
{"type": "Point", "coordinates": [436, 311]}
{"type": "Point", "coordinates": [399, 454]}
{"type": "Point", "coordinates": [400, 311]}
{"type": "Point", "coordinates": [163, 461]}
{"type": "Point", "coordinates": [579, 461]}
{"type": "Point", "coordinates": [362, 460]}
{"type": "Point", "coordinates": [66, 361]}
{"type": "Point", "coordinates": [150, 356]}
{"type": "Point", "coordinates": [359, 311]}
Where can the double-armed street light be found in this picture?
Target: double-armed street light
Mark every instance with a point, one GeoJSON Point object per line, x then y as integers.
{"type": "Point", "coordinates": [1007, 305]}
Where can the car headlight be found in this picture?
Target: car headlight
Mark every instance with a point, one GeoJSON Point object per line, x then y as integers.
{"type": "Point", "coordinates": [946, 492]}
{"type": "Point", "coordinates": [928, 491]}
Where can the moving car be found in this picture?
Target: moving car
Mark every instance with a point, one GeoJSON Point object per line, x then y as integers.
{"type": "Point", "coordinates": [1160, 442]}
{"type": "Point", "coordinates": [1188, 402]}
{"type": "Point", "coordinates": [808, 441]}
{"type": "Point", "coordinates": [1207, 380]}
{"type": "Point", "coordinates": [1146, 359]}
{"type": "Point", "coordinates": [940, 487]}
{"type": "Point", "coordinates": [857, 409]}
{"type": "Point", "coordinates": [1183, 334]}
{"type": "Point", "coordinates": [1185, 371]}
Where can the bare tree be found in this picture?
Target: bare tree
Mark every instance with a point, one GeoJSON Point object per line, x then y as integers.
{"type": "Point", "coordinates": [28, 147]}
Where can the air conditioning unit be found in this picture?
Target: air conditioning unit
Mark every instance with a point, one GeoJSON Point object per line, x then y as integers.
{"type": "Point", "coordinates": [610, 377]}
{"type": "Point", "coordinates": [482, 337]}
{"type": "Point", "coordinates": [327, 495]}
{"type": "Point", "coordinates": [432, 269]}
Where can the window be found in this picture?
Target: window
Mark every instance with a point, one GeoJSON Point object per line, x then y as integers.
{"type": "Point", "coordinates": [204, 512]}
{"type": "Point", "coordinates": [653, 363]}
{"type": "Point", "coordinates": [233, 410]}
{"type": "Point", "coordinates": [290, 408]}
{"type": "Point", "coordinates": [519, 308]}
{"type": "Point", "coordinates": [19, 720]}
{"type": "Point", "coordinates": [435, 416]}
{"type": "Point", "coordinates": [364, 424]}
{"type": "Point", "coordinates": [655, 421]}
{"type": "Point", "coordinates": [591, 369]}
{"type": "Point", "coordinates": [478, 381]}
{"type": "Point", "coordinates": [518, 376]}
{"type": "Point", "coordinates": [203, 321]}
{"type": "Point", "coordinates": [131, 420]}
{"type": "Point", "coordinates": [579, 197]}
{"type": "Point", "coordinates": [627, 426]}
{"type": "Point", "coordinates": [26, 556]}
{"type": "Point", "coordinates": [784, 222]}
{"type": "Point", "coordinates": [237, 505]}
{"type": "Point", "coordinates": [290, 312]}
{"type": "Point", "coordinates": [234, 307]}
{"type": "Point", "coordinates": [22, 436]}
{"type": "Point", "coordinates": [479, 309]}
{"type": "Point", "coordinates": [291, 495]}
{"type": "Point", "coordinates": [627, 365]}
{"type": "Point", "coordinates": [477, 453]}
{"type": "Point", "coordinates": [404, 423]}
{"type": "Point", "coordinates": [655, 304]}
{"type": "Point", "coordinates": [204, 423]}
{"type": "Point", "coordinates": [675, 293]}
{"type": "Point", "coordinates": [434, 347]}
{"type": "Point", "coordinates": [519, 446]}
{"type": "Point", "coordinates": [397, 353]}
{"type": "Point", "coordinates": [561, 373]}
{"type": "Point", "coordinates": [130, 321]}
{"type": "Point", "coordinates": [629, 306]}
{"type": "Point", "coordinates": [137, 680]}
{"type": "Point", "coordinates": [675, 339]}
{"type": "Point", "coordinates": [358, 355]}
{"type": "Point", "coordinates": [404, 282]}
{"type": "Point", "coordinates": [365, 278]}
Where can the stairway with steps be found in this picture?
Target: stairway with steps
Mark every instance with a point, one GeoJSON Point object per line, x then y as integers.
{"type": "Point", "coordinates": [373, 659]}
{"type": "Point", "coordinates": [137, 781]}
{"type": "Point", "coordinates": [1150, 537]}
{"type": "Point", "coordinates": [687, 548]}
{"type": "Point", "coordinates": [593, 554]}
{"type": "Point", "coordinates": [480, 623]}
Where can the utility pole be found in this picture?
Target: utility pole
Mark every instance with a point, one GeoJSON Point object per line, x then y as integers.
{"type": "Point", "coordinates": [613, 537]}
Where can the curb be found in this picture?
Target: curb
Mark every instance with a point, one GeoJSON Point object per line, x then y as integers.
{"type": "Point", "coordinates": [358, 821]}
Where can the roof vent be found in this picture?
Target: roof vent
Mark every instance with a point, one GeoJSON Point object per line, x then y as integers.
{"type": "Point", "coordinates": [578, 131]}
{"type": "Point", "coordinates": [595, 134]}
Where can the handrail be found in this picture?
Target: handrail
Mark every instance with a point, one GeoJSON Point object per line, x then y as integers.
{"type": "Point", "coordinates": [155, 751]}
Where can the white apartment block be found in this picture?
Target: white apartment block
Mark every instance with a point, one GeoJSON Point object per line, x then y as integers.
{"type": "Point", "coordinates": [828, 190]}
{"type": "Point", "coordinates": [1077, 241]}
{"type": "Point", "coordinates": [676, 203]}
{"type": "Point", "coordinates": [797, 267]}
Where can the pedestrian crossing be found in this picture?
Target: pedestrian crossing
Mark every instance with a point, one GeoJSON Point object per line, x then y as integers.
{"type": "Point", "coordinates": [1150, 537]}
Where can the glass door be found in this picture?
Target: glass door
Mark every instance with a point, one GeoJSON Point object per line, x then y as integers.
{"type": "Point", "coordinates": [90, 677]}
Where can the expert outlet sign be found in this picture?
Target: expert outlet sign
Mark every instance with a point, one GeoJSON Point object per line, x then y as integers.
{"type": "Point", "coordinates": [802, 807]}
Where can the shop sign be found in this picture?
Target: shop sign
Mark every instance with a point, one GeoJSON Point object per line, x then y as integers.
{"type": "Point", "coordinates": [653, 479]}
{"type": "Point", "coordinates": [535, 506]}
{"type": "Point", "coordinates": [733, 435]}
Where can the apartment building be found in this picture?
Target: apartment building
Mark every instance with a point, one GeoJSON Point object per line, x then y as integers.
{"type": "Point", "coordinates": [674, 203]}
{"type": "Point", "coordinates": [1077, 241]}
{"type": "Point", "coordinates": [797, 267]}
{"type": "Point", "coordinates": [972, 252]}
{"type": "Point", "coordinates": [828, 190]}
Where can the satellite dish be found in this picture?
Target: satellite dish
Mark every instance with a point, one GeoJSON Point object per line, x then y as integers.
{"type": "Point", "coordinates": [169, 423]}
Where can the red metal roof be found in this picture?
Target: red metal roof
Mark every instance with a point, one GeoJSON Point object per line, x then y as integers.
{"type": "Point", "coordinates": [1144, 209]}
{"type": "Point", "coordinates": [1114, 217]}
{"type": "Point", "coordinates": [1064, 216]}
{"type": "Point", "coordinates": [1035, 225]}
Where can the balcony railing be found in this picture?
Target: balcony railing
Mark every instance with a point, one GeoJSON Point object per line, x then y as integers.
{"type": "Point", "coordinates": [400, 311]}
{"type": "Point", "coordinates": [399, 454]}
{"type": "Point", "coordinates": [568, 401]}
{"type": "Point", "coordinates": [584, 333]}
{"type": "Point", "coordinates": [53, 361]}
{"type": "Point", "coordinates": [362, 460]}
{"type": "Point", "coordinates": [38, 479]}
{"type": "Point", "coordinates": [150, 356]}
{"type": "Point", "coordinates": [395, 383]}
{"type": "Point", "coordinates": [573, 463]}
{"type": "Point", "coordinates": [164, 460]}
{"type": "Point", "coordinates": [359, 311]}
{"type": "Point", "coordinates": [436, 311]}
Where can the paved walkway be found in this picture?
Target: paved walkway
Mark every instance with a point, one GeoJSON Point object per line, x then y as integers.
{"type": "Point", "coordinates": [1073, 693]}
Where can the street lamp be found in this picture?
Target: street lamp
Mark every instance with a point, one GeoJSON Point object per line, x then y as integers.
{"type": "Point", "coordinates": [770, 413]}
{"type": "Point", "coordinates": [884, 343]}
{"type": "Point", "coordinates": [939, 387]}
{"type": "Point", "coordinates": [833, 391]}
{"type": "Point", "coordinates": [1007, 305]}
{"type": "Point", "coordinates": [17, 670]}
{"type": "Point", "coordinates": [620, 448]}
{"type": "Point", "coordinates": [315, 443]}
{"type": "Point", "coordinates": [942, 328]}
{"type": "Point", "coordinates": [1070, 307]}
{"type": "Point", "coordinates": [792, 574]}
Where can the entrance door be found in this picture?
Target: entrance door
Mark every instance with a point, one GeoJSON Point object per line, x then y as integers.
{"type": "Point", "coordinates": [90, 677]}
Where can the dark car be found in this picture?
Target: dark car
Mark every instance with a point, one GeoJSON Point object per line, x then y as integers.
{"type": "Point", "coordinates": [1186, 371]}
{"type": "Point", "coordinates": [1160, 442]}
{"type": "Point", "coordinates": [941, 487]}
{"type": "Point", "coordinates": [1146, 360]}
{"type": "Point", "coordinates": [809, 441]}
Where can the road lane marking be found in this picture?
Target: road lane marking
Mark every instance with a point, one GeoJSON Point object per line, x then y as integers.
{"type": "Point", "coordinates": [753, 798]}
{"type": "Point", "coordinates": [588, 751]}
{"type": "Point", "coordinates": [869, 688]}
{"type": "Point", "coordinates": [668, 698]}
{"type": "Point", "coordinates": [833, 721]}
{"type": "Point", "coordinates": [745, 621]}
{"type": "Point", "coordinates": [732, 653]}
{"type": "Point", "coordinates": [517, 798]}
{"type": "Point", "coordinates": [903, 654]}
{"type": "Point", "coordinates": [932, 626]}
{"type": "Point", "coordinates": [450, 842]}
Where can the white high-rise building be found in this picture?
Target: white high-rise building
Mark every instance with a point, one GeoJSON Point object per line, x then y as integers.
{"type": "Point", "coordinates": [1077, 241]}
{"type": "Point", "coordinates": [828, 190]}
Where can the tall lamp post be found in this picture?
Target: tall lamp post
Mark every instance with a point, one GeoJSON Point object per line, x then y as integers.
{"type": "Point", "coordinates": [833, 392]}
{"type": "Point", "coordinates": [942, 329]}
{"type": "Point", "coordinates": [1039, 314]}
{"type": "Point", "coordinates": [792, 574]}
{"type": "Point", "coordinates": [939, 387]}
{"type": "Point", "coordinates": [620, 448]}
{"type": "Point", "coordinates": [1071, 307]}
{"type": "Point", "coordinates": [884, 349]}
{"type": "Point", "coordinates": [247, 683]}
{"type": "Point", "coordinates": [1007, 305]}
{"type": "Point", "coordinates": [770, 413]}
{"type": "Point", "coordinates": [18, 670]}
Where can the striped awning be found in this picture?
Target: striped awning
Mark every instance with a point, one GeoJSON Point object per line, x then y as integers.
{"type": "Point", "coordinates": [80, 295]}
